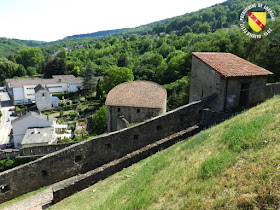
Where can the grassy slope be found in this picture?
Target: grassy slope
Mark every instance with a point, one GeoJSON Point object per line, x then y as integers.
{"type": "Point", "coordinates": [233, 165]}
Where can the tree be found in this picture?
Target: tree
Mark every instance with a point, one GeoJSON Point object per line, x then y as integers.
{"type": "Point", "coordinates": [21, 71]}
{"type": "Point", "coordinates": [7, 69]}
{"type": "Point", "coordinates": [56, 67]}
{"type": "Point", "coordinates": [31, 56]}
{"type": "Point", "coordinates": [76, 71]}
{"type": "Point", "coordinates": [271, 58]}
{"type": "Point", "coordinates": [99, 120]}
{"type": "Point", "coordinates": [89, 78]}
{"type": "Point", "coordinates": [122, 61]}
{"type": "Point", "coordinates": [99, 93]}
{"type": "Point", "coordinates": [61, 54]}
{"type": "Point", "coordinates": [115, 76]}
{"type": "Point", "coordinates": [31, 71]}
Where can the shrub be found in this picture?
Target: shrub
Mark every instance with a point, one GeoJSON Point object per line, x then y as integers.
{"type": "Point", "coordinates": [99, 120]}
{"type": "Point", "coordinates": [61, 113]}
{"type": "Point", "coordinates": [73, 114]}
{"type": "Point", "coordinates": [62, 104]}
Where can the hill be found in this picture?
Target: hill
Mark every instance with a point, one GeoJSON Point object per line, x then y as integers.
{"type": "Point", "coordinates": [232, 165]}
{"type": "Point", "coordinates": [218, 16]}
{"type": "Point", "coordinates": [12, 46]}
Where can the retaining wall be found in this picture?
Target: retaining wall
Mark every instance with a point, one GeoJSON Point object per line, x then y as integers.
{"type": "Point", "coordinates": [91, 154]}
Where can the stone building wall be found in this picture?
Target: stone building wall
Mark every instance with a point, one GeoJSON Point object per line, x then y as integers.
{"type": "Point", "coordinates": [43, 100]}
{"type": "Point", "coordinates": [88, 155]}
{"type": "Point", "coordinates": [131, 114]}
{"type": "Point", "coordinates": [205, 82]}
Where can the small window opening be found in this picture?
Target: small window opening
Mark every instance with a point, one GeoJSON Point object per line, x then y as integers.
{"type": "Point", "coordinates": [43, 94]}
{"type": "Point", "coordinates": [78, 158]}
{"type": "Point", "coordinates": [119, 109]}
{"type": "Point", "coordinates": [4, 188]}
{"type": "Point", "coordinates": [136, 137]}
{"type": "Point", "coordinates": [44, 173]}
{"type": "Point", "coordinates": [138, 110]}
{"type": "Point", "coordinates": [159, 127]}
{"type": "Point", "coordinates": [107, 145]}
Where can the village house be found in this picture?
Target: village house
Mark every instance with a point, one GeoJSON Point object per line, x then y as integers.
{"type": "Point", "coordinates": [22, 90]}
{"type": "Point", "coordinates": [37, 129]}
{"type": "Point", "coordinates": [44, 100]}
{"type": "Point", "coordinates": [237, 82]}
{"type": "Point", "coordinates": [134, 102]}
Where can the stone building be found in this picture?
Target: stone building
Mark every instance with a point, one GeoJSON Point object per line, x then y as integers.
{"type": "Point", "coordinates": [237, 82]}
{"type": "Point", "coordinates": [44, 100]}
{"type": "Point", "coordinates": [134, 102]}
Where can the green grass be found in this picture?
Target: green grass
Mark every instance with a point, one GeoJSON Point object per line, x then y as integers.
{"type": "Point", "coordinates": [22, 197]}
{"type": "Point", "coordinates": [233, 165]}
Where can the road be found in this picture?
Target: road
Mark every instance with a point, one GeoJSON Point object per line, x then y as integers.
{"type": "Point", "coordinates": [5, 124]}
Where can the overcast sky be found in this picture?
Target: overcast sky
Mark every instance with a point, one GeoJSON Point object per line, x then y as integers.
{"type": "Point", "coordinates": [50, 20]}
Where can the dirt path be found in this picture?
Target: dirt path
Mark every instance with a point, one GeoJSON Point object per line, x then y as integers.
{"type": "Point", "coordinates": [40, 201]}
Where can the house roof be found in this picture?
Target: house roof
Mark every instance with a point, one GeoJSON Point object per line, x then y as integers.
{"type": "Point", "coordinates": [20, 82]}
{"type": "Point", "coordinates": [38, 88]}
{"type": "Point", "coordinates": [137, 94]}
{"type": "Point", "coordinates": [229, 65]}
{"type": "Point", "coordinates": [35, 114]}
{"type": "Point", "coordinates": [55, 99]}
{"type": "Point", "coordinates": [38, 136]}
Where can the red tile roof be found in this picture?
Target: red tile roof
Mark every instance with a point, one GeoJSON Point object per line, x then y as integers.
{"type": "Point", "coordinates": [137, 94]}
{"type": "Point", "coordinates": [229, 65]}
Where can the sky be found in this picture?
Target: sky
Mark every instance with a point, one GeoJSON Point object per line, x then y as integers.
{"type": "Point", "coordinates": [51, 20]}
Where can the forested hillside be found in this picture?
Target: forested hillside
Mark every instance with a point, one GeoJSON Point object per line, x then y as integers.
{"type": "Point", "coordinates": [11, 46]}
{"type": "Point", "coordinates": [161, 53]}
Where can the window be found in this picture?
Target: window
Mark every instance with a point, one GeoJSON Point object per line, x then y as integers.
{"type": "Point", "coordinates": [55, 87]}
{"type": "Point", "coordinates": [159, 127]}
{"type": "Point", "coordinates": [4, 188]}
{"type": "Point", "coordinates": [138, 110]}
{"type": "Point", "coordinates": [44, 173]}
{"type": "Point", "coordinates": [78, 159]}
{"type": "Point", "coordinates": [136, 137]}
{"type": "Point", "coordinates": [119, 109]}
{"type": "Point", "coordinates": [43, 94]}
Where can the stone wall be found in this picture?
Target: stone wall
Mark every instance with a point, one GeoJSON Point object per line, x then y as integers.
{"type": "Point", "coordinates": [91, 154]}
{"type": "Point", "coordinates": [131, 114]}
{"type": "Point", "coordinates": [77, 183]}
{"type": "Point", "coordinates": [205, 82]}
{"type": "Point", "coordinates": [32, 151]}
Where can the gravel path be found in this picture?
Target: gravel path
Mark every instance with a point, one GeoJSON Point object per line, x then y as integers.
{"type": "Point", "coordinates": [36, 202]}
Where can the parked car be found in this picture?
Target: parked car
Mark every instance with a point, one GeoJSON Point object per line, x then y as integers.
{"type": "Point", "coordinates": [12, 109]}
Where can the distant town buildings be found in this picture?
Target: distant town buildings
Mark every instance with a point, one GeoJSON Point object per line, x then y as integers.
{"type": "Point", "coordinates": [230, 77]}
{"type": "Point", "coordinates": [22, 90]}
{"type": "Point", "coordinates": [134, 102]}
